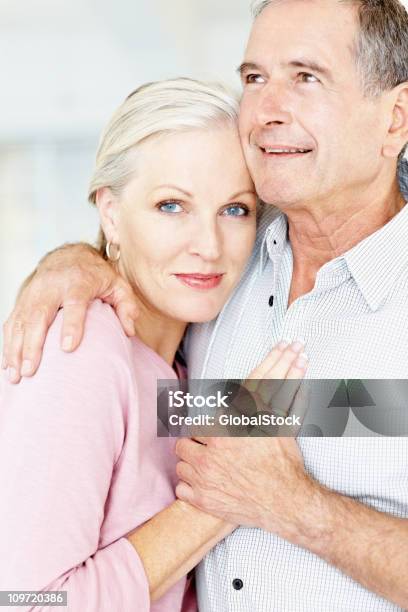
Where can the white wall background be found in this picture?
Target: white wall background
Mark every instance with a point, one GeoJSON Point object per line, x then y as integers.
{"type": "Point", "coordinates": [65, 65]}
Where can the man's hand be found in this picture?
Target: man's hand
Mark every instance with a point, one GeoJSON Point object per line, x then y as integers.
{"type": "Point", "coordinates": [251, 481]}
{"type": "Point", "coordinates": [70, 277]}
{"type": "Point", "coordinates": [257, 482]}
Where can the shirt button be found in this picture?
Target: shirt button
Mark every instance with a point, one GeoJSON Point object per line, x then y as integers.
{"type": "Point", "coordinates": [270, 302]}
{"type": "Point", "coordinates": [237, 584]}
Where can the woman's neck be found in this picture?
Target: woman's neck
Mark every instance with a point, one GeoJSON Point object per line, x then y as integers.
{"type": "Point", "coordinates": [160, 333]}
{"type": "Point", "coordinates": [163, 335]}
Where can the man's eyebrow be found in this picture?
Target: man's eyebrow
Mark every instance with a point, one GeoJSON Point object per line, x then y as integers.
{"type": "Point", "coordinates": [304, 63]}
{"type": "Point", "coordinates": [245, 66]}
{"type": "Point", "coordinates": [309, 64]}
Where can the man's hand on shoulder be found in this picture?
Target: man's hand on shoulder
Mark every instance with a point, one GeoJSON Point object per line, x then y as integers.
{"type": "Point", "coordinates": [70, 278]}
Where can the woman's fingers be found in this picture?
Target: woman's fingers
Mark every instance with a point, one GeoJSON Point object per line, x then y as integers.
{"type": "Point", "coordinates": [298, 368]}
{"type": "Point", "coordinates": [301, 402]}
{"type": "Point", "coordinates": [269, 381]}
{"type": "Point", "coordinates": [269, 362]}
{"type": "Point", "coordinates": [286, 362]}
{"type": "Point", "coordinates": [279, 400]}
{"type": "Point", "coordinates": [253, 381]}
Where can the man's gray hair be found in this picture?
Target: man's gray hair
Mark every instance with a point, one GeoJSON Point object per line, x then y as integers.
{"type": "Point", "coordinates": [381, 48]}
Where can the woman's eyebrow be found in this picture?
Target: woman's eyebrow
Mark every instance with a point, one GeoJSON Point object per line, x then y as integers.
{"type": "Point", "coordinates": [169, 186]}
{"type": "Point", "coordinates": [241, 193]}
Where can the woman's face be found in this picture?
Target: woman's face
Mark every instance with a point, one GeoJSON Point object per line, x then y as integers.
{"type": "Point", "coordinates": [186, 222]}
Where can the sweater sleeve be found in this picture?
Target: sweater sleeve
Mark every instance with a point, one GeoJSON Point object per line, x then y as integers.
{"type": "Point", "coordinates": [61, 433]}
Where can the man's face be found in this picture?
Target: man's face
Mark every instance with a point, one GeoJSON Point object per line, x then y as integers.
{"type": "Point", "coordinates": [307, 130]}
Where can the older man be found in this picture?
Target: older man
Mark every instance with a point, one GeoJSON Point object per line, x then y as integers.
{"type": "Point", "coordinates": [324, 120]}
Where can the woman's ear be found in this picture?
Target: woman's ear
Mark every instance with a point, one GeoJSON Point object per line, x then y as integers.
{"type": "Point", "coordinates": [397, 136]}
{"type": "Point", "coordinates": [108, 207]}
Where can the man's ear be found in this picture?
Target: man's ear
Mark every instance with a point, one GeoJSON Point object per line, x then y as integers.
{"type": "Point", "coordinates": [108, 207]}
{"type": "Point", "coordinates": [397, 136]}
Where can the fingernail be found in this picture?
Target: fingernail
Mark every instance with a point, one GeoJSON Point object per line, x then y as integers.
{"type": "Point", "coordinates": [12, 374]}
{"type": "Point", "coordinates": [302, 361]}
{"type": "Point", "coordinates": [3, 363]}
{"type": "Point", "coordinates": [297, 346]}
{"type": "Point", "coordinates": [67, 343]}
{"type": "Point", "coordinates": [26, 367]}
{"type": "Point", "coordinates": [282, 345]}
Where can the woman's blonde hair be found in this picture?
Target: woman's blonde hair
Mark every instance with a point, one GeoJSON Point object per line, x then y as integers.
{"type": "Point", "coordinates": [155, 109]}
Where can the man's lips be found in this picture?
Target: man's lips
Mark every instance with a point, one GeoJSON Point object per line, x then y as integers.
{"type": "Point", "coordinates": [200, 281]}
{"type": "Point", "coordinates": [283, 150]}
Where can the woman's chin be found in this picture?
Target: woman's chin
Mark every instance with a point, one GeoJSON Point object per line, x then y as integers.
{"type": "Point", "coordinates": [197, 313]}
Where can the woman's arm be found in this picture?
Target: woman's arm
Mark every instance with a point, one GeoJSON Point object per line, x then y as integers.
{"type": "Point", "coordinates": [174, 541]}
{"type": "Point", "coordinates": [61, 434]}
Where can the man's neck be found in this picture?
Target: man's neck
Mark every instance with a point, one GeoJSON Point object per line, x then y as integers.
{"type": "Point", "coordinates": [322, 234]}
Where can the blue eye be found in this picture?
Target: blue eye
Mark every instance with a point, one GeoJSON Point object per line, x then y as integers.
{"type": "Point", "coordinates": [236, 211]}
{"type": "Point", "coordinates": [170, 207]}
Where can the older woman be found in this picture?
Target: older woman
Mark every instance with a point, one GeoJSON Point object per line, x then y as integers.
{"type": "Point", "coordinates": [87, 489]}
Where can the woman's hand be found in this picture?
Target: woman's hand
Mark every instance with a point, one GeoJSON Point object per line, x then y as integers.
{"type": "Point", "coordinates": [276, 387]}
{"type": "Point", "coordinates": [286, 360]}
{"type": "Point", "coordinates": [272, 388]}
{"type": "Point", "coordinates": [69, 278]}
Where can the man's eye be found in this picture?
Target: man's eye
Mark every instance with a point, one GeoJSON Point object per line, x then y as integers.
{"type": "Point", "coordinates": [170, 207]}
{"type": "Point", "coordinates": [236, 210]}
{"type": "Point", "coordinates": [254, 78]}
{"type": "Point", "coordinates": [306, 77]}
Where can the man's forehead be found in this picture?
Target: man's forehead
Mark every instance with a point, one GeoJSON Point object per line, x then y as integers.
{"type": "Point", "coordinates": [302, 27]}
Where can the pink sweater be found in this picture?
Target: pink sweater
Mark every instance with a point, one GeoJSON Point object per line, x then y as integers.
{"type": "Point", "coordinates": [81, 467]}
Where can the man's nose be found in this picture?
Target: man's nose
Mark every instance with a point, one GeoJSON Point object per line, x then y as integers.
{"type": "Point", "coordinates": [273, 105]}
{"type": "Point", "coordinates": [206, 241]}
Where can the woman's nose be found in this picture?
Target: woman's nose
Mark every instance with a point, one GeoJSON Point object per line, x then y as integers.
{"type": "Point", "coordinates": [206, 240]}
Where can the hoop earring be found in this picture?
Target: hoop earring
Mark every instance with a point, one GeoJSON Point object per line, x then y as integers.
{"type": "Point", "coordinates": [109, 255]}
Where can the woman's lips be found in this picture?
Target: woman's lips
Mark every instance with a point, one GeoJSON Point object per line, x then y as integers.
{"type": "Point", "coordinates": [200, 281]}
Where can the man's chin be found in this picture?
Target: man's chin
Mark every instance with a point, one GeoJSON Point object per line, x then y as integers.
{"type": "Point", "coordinates": [278, 188]}
{"type": "Point", "coordinates": [276, 196]}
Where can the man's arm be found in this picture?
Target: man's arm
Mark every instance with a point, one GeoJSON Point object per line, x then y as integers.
{"type": "Point", "coordinates": [69, 277]}
{"type": "Point", "coordinates": [368, 545]}
{"type": "Point", "coordinates": [262, 482]}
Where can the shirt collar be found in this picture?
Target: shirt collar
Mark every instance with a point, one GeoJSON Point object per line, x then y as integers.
{"type": "Point", "coordinates": [375, 263]}
{"type": "Point", "coordinates": [378, 261]}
